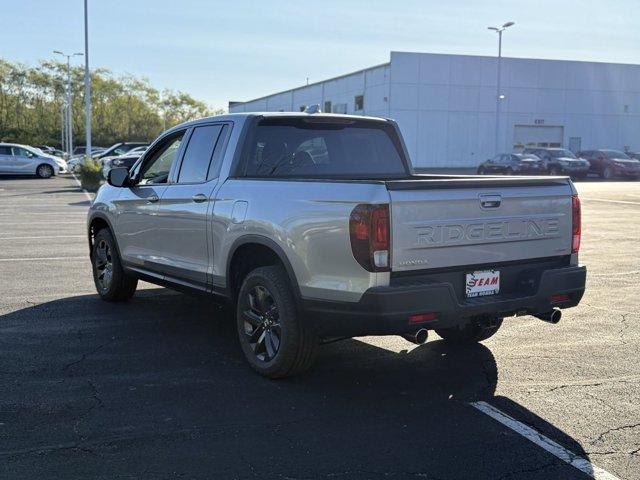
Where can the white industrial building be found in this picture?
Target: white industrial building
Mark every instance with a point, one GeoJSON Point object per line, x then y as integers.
{"type": "Point", "coordinates": [446, 104]}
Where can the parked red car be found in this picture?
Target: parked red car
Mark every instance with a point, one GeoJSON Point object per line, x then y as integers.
{"type": "Point", "coordinates": [611, 163]}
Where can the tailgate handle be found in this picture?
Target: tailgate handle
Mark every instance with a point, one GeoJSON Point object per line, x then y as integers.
{"type": "Point", "coordinates": [490, 201]}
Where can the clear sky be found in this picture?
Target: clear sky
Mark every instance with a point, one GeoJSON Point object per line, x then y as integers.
{"type": "Point", "coordinates": [241, 49]}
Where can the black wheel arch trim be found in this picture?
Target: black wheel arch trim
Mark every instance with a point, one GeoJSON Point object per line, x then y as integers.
{"type": "Point", "coordinates": [269, 243]}
{"type": "Point", "coordinates": [109, 225]}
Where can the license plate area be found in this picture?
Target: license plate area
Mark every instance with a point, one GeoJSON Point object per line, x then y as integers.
{"type": "Point", "coordinates": [482, 283]}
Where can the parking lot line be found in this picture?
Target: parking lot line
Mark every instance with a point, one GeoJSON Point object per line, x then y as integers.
{"type": "Point", "coordinates": [80, 185]}
{"type": "Point", "coordinates": [41, 223]}
{"type": "Point", "coordinates": [624, 202]}
{"type": "Point", "coordinates": [68, 214]}
{"type": "Point", "coordinates": [546, 443]}
{"type": "Point", "coordinates": [32, 259]}
{"type": "Point", "coordinates": [41, 236]}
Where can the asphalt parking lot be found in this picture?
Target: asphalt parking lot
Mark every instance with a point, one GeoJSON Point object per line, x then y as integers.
{"type": "Point", "coordinates": [158, 388]}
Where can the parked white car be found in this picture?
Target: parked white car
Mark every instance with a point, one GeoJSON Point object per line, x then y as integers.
{"type": "Point", "coordinates": [17, 159]}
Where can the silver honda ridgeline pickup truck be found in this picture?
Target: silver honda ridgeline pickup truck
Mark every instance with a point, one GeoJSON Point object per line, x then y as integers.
{"type": "Point", "coordinates": [314, 227]}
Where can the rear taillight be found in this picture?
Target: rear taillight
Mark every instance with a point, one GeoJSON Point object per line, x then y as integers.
{"type": "Point", "coordinates": [576, 216]}
{"type": "Point", "coordinates": [370, 236]}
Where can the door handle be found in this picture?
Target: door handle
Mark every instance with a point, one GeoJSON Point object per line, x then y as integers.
{"type": "Point", "coordinates": [199, 198]}
{"type": "Point", "coordinates": [152, 198]}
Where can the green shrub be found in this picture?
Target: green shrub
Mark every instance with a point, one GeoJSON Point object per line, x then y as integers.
{"type": "Point", "coordinates": [90, 175]}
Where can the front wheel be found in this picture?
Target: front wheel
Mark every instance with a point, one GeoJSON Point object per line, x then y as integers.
{"type": "Point", "coordinates": [112, 283]}
{"type": "Point", "coordinates": [469, 334]}
{"type": "Point", "coordinates": [44, 171]}
{"type": "Point", "coordinates": [275, 341]}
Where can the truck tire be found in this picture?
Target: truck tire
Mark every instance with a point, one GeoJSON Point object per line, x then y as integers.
{"type": "Point", "coordinates": [112, 283]}
{"type": "Point", "coordinates": [470, 333]}
{"type": "Point", "coordinates": [274, 339]}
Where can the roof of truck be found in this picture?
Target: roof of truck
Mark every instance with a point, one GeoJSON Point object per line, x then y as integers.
{"type": "Point", "coordinates": [245, 115]}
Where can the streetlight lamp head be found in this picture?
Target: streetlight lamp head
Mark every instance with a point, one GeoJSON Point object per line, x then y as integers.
{"type": "Point", "coordinates": [492, 28]}
{"type": "Point", "coordinates": [79, 54]}
{"type": "Point", "coordinates": [58, 52]}
{"type": "Point", "coordinates": [508, 24]}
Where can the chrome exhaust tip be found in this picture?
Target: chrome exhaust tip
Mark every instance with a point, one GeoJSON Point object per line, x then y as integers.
{"type": "Point", "coordinates": [419, 337]}
{"type": "Point", "coordinates": [552, 316]}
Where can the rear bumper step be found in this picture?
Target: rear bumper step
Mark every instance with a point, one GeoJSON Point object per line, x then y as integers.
{"type": "Point", "coordinates": [386, 310]}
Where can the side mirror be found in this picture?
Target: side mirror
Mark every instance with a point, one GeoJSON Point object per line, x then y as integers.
{"type": "Point", "coordinates": [118, 177]}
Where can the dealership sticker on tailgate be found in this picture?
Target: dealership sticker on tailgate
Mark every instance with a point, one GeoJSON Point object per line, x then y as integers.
{"type": "Point", "coordinates": [482, 282]}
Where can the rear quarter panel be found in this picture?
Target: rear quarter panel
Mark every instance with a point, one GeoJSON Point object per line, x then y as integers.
{"type": "Point", "coordinates": [309, 221]}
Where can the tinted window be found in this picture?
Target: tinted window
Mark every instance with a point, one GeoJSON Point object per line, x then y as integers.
{"type": "Point", "coordinates": [317, 147]}
{"type": "Point", "coordinates": [197, 156]}
{"type": "Point", "coordinates": [616, 154]}
{"type": "Point", "coordinates": [561, 154]}
{"type": "Point", "coordinates": [157, 169]}
{"type": "Point", "coordinates": [5, 150]}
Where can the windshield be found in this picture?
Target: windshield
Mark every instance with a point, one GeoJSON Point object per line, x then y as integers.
{"type": "Point", "coordinates": [323, 147]}
{"type": "Point", "coordinates": [616, 154]}
{"type": "Point", "coordinates": [561, 154]}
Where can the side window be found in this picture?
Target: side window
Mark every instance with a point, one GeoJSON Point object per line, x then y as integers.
{"type": "Point", "coordinates": [5, 150]}
{"type": "Point", "coordinates": [198, 154]}
{"type": "Point", "coordinates": [157, 168]}
{"type": "Point", "coordinates": [496, 159]}
{"type": "Point", "coordinates": [21, 152]}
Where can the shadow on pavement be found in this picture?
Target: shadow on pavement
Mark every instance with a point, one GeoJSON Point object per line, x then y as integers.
{"type": "Point", "coordinates": [158, 388]}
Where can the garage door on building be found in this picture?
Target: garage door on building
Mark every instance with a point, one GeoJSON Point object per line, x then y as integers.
{"type": "Point", "coordinates": [537, 136]}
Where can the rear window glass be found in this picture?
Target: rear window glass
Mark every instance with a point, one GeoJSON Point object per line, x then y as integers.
{"type": "Point", "coordinates": [323, 148]}
{"type": "Point", "coordinates": [616, 154]}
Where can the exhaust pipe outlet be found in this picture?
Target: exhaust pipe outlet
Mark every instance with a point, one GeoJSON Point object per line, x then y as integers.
{"type": "Point", "coordinates": [552, 316]}
{"type": "Point", "coordinates": [419, 337]}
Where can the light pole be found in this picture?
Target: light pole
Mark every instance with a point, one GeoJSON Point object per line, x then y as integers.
{"type": "Point", "coordinates": [499, 96]}
{"type": "Point", "coordinates": [69, 106]}
{"type": "Point", "coordinates": [87, 83]}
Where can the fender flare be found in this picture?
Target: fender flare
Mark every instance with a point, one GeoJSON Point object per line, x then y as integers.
{"type": "Point", "coordinates": [271, 244]}
{"type": "Point", "coordinates": [109, 225]}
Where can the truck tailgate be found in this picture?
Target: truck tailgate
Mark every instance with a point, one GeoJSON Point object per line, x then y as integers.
{"type": "Point", "coordinates": [454, 223]}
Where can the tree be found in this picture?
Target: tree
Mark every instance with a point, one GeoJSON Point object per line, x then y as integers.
{"type": "Point", "coordinates": [123, 108]}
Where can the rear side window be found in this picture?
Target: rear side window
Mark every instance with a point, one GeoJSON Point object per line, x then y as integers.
{"type": "Point", "coordinates": [198, 154]}
{"type": "Point", "coordinates": [323, 148]}
{"type": "Point", "coordinates": [5, 150]}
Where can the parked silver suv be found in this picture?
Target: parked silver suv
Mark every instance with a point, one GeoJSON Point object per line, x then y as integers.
{"type": "Point", "coordinates": [315, 227]}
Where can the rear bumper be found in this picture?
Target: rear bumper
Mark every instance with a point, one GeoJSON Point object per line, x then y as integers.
{"type": "Point", "coordinates": [386, 310]}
